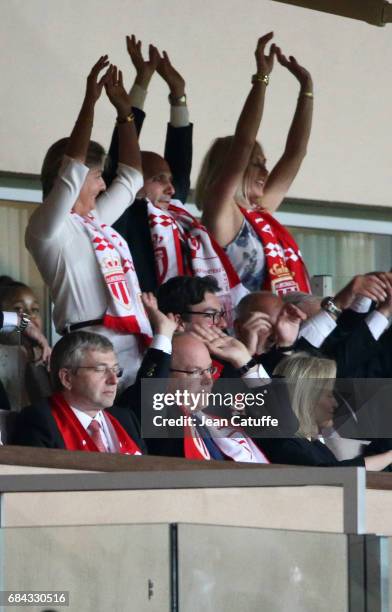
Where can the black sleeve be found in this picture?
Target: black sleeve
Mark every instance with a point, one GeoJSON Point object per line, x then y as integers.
{"type": "Point", "coordinates": [110, 171]}
{"type": "Point", "coordinates": [299, 451]}
{"type": "Point", "coordinates": [178, 154]}
{"type": "Point", "coordinates": [35, 426]}
{"type": "Point", "coordinates": [1, 319]}
{"type": "Point", "coordinates": [156, 364]}
{"type": "Point", "coordinates": [4, 401]}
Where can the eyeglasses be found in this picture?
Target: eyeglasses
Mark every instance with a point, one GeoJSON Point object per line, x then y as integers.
{"type": "Point", "coordinates": [215, 317]}
{"type": "Point", "coordinates": [103, 370]}
{"type": "Point", "coordinates": [198, 373]}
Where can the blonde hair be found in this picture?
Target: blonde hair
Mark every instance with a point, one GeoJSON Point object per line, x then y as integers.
{"type": "Point", "coordinates": [311, 376]}
{"type": "Point", "coordinates": [212, 166]}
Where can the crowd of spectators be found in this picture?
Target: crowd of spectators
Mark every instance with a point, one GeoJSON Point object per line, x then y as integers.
{"type": "Point", "coordinates": [144, 292]}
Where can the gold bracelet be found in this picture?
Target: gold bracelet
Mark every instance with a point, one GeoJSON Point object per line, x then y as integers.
{"type": "Point", "coordinates": [128, 119]}
{"type": "Point", "coordinates": [307, 94]}
{"type": "Point", "coordinates": [260, 78]}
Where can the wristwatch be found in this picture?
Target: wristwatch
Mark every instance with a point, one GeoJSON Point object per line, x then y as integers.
{"type": "Point", "coordinates": [180, 101]}
{"type": "Point", "coordinates": [24, 320]}
{"type": "Point", "coordinates": [245, 368]}
{"type": "Point", "coordinates": [329, 306]}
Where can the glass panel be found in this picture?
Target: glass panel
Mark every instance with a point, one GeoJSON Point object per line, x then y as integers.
{"type": "Point", "coordinates": [343, 254]}
{"type": "Point", "coordinates": [232, 569]}
{"type": "Point", "coordinates": [120, 567]}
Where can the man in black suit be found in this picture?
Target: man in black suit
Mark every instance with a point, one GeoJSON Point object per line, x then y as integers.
{"type": "Point", "coordinates": [165, 177]}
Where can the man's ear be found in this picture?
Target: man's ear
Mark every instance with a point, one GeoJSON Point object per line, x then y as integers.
{"type": "Point", "coordinates": [65, 378]}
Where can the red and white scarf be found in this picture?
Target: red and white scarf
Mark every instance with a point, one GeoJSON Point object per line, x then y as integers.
{"type": "Point", "coordinates": [232, 441]}
{"type": "Point", "coordinates": [286, 270]}
{"type": "Point", "coordinates": [175, 229]}
{"type": "Point", "coordinates": [125, 312]}
{"type": "Point", "coordinates": [77, 438]}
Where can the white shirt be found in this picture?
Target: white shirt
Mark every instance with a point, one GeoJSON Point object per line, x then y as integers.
{"type": "Point", "coordinates": [10, 321]}
{"type": "Point", "coordinates": [62, 249]}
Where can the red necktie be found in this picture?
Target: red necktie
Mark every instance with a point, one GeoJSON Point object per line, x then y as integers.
{"type": "Point", "coordinates": [94, 429]}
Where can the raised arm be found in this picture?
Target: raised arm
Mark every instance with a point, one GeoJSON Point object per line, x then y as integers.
{"type": "Point", "coordinates": [178, 145]}
{"type": "Point", "coordinates": [144, 73]}
{"type": "Point", "coordinates": [81, 134]}
{"type": "Point", "coordinates": [48, 219]}
{"type": "Point", "coordinates": [286, 169]}
{"type": "Point", "coordinates": [220, 214]}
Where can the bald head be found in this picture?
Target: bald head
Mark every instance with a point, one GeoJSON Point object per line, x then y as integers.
{"type": "Point", "coordinates": [153, 164]}
{"type": "Point", "coordinates": [260, 301]}
{"type": "Point", "coordinates": [158, 186]}
{"type": "Point", "coordinates": [189, 353]}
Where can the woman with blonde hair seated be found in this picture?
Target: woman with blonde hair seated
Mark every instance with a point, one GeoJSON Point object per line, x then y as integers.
{"type": "Point", "coordinates": [238, 195]}
{"type": "Point", "coordinates": [311, 382]}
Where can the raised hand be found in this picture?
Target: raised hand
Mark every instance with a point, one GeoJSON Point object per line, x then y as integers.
{"type": "Point", "coordinates": [265, 62]}
{"type": "Point", "coordinates": [373, 286]}
{"type": "Point", "coordinates": [161, 323]}
{"type": "Point", "coordinates": [173, 78]}
{"type": "Point", "coordinates": [114, 86]}
{"type": "Point", "coordinates": [295, 68]}
{"type": "Point", "coordinates": [255, 332]}
{"type": "Point", "coordinates": [287, 325]}
{"type": "Point", "coordinates": [37, 337]}
{"type": "Point", "coordinates": [222, 346]}
{"type": "Point", "coordinates": [95, 85]}
{"type": "Point", "coordinates": [144, 68]}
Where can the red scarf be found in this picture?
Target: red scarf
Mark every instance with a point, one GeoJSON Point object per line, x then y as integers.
{"type": "Point", "coordinates": [77, 438]}
{"type": "Point", "coordinates": [286, 270]}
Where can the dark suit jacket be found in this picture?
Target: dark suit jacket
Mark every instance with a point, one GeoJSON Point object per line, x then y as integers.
{"type": "Point", "coordinates": [299, 451]}
{"type": "Point", "coordinates": [133, 224]}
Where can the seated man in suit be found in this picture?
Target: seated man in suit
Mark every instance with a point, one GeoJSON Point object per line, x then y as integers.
{"type": "Point", "coordinates": [85, 372]}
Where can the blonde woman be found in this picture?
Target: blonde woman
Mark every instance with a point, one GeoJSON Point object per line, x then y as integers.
{"type": "Point", "coordinates": [238, 195]}
{"type": "Point", "coordinates": [311, 389]}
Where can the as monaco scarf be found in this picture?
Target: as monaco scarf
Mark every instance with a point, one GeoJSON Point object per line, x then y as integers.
{"type": "Point", "coordinates": [125, 312]}
{"type": "Point", "coordinates": [174, 229]}
{"type": "Point", "coordinates": [231, 441]}
{"type": "Point", "coordinates": [286, 270]}
{"type": "Point", "coordinates": [77, 438]}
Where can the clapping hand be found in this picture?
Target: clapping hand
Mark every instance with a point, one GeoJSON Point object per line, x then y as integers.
{"type": "Point", "coordinates": [173, 78]}
{"type": "Point", "coordinates": [295, 68]}
{"type": "Point", "coordinates": [161, 323]}
{"type": "Point", "coordinates": [144, 68]}
{"type": "Point", "coordinates": [94, 86]}
{"type": "Point", "coordinates": [114, 86]}
{"type": "Point", "coordinates": [264, 62]}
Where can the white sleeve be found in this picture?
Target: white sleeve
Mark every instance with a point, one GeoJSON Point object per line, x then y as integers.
{"type": "Point", "coordinates": [161, 343]}
{"type": "Point", "coordinates": [10, 321]}
{"type": "Point", "coordinates": [361, 304]}
{"type": "Point", "coordinates": [138, 96]}
{"type": "Point", "coordinates": [376, 323]}
{"type": "Point", "coordinates": [47, 220]}
{"type": "Point", "coordinates": [317, 328]}
{"type": "Point", "coordinates": [179, 116]}
{"type": "Point", "coordinates": [111, 204]}
{"type": "Point", "coordinates": [256, 376]}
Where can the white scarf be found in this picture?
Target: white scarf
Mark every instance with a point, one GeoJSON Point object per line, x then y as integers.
{"type": "Point", "coordinates": [125, 312]}
{"type": "Point", "coordinates": [174, 229]}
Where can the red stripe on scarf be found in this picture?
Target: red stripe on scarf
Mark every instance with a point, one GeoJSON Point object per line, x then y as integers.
{"type": "Point", "coordinates": [77, 438]}
{"type": "Point", "coordinates": [285, 274]}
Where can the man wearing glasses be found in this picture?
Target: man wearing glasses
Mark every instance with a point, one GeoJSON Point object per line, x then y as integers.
{"type": "Point", "coordinates": [78, 416]}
